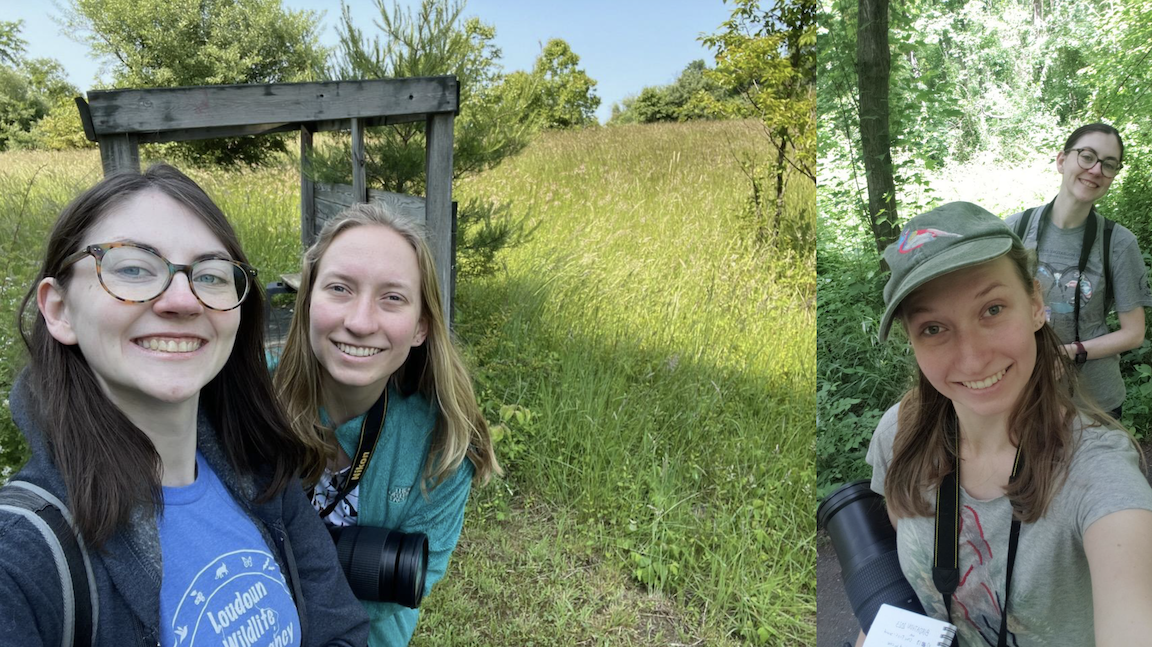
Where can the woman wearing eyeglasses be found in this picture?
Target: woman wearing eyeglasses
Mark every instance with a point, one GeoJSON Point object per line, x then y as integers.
{"type": "Point", "coordinates": [1078, 285]}
{"type": "Point", "coordinates": [150, 414]}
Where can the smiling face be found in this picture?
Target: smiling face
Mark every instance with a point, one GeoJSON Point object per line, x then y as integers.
{"type": "Point", "coordinates": [1087, 185]}
{"type": "Point", "coordinates": [973, 334]}
{"type": "Point", "coordinates": [144, 354]}
{"type": "Point", "coordinates": [365, 310]}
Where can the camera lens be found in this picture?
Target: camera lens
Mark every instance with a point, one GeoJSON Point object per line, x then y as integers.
{"type": "Point", "coordinates": [865, 544]}
{"type": "Point", "coordinates": [382, 565]}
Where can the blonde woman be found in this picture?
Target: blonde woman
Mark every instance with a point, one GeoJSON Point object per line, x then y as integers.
{"type": "Point", "coordinates": [369, 335]}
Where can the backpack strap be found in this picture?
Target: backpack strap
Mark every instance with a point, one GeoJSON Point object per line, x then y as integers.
{"type": "Point", "coordinates": [1109, 225]}
{"type": "Point", "coordinates": [1023, 222]}
{"type": "Point", "coordinates": [51, 517]}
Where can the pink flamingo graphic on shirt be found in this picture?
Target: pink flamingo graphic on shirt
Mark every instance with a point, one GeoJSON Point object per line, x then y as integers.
{"type": "Point", "coordinates": [977, 600]}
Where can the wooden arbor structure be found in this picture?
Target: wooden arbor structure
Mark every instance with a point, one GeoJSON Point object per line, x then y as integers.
{"type": "Point", "coordinates": [120, 120]}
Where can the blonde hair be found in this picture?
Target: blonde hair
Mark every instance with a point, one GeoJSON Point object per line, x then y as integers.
{"type": "Point", "coordinates": [435, 369]}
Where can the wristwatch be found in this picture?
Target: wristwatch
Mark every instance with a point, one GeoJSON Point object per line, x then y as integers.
{"type": "Point", "coordinates": [1081, 354]}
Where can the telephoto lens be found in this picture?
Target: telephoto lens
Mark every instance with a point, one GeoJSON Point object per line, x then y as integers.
{"type": "Point", "coordinates": [382, 565]}
{"type": "Point", "coordinates": [865, 544]}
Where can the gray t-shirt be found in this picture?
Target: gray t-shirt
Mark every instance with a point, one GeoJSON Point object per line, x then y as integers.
{"type": "Point", "coordinates": [1051, 584]}
{"type": "Point", "coordinates": [1059, 258]}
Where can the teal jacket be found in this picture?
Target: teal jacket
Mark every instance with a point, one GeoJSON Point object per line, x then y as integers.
{"type": "Point", "coordinates": [390, 497]}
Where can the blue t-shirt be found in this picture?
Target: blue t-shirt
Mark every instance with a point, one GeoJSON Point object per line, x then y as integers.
{"type": "Point", "coordinates": [221, 585]}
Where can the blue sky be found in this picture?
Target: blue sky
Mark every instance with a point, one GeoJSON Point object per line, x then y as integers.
{"type": "Point", "coordinates": [624, 45]}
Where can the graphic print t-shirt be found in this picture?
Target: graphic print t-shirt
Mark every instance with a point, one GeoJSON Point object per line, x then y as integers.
{"type": "Point", "coordinates": [221, 585]}
{"type": "Point", "coordinates": [1058, 273]}
{"type": "Point", "coordinates": [1051, 597]}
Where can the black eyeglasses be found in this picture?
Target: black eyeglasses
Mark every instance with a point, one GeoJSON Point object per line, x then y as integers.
{"type": "Point", "coordinates": [1087, 158]}
{"type": "Point", "coordinates": [136, 274]}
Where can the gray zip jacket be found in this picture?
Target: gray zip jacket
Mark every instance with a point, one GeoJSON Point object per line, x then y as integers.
{"type": "Point", "coordinates": [128, 571]}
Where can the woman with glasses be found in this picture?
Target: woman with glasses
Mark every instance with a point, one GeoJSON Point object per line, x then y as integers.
{"type": "Point", "coordinates": [1080, 285]}
{"type": "Point", "coordinates": [151, 416]}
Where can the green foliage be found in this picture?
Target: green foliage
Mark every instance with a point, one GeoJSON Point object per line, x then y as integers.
{"type": "Point", "coordinates": [858, 377]}
{"type": "Point", "coordinates": [768, 58]}
{"type": "Point", "coordinates": [694, 95]}
{"type": "Point", "coordinates": [19, 109]}
{"type": "Point", "coordinates": [61, 129]}
{"type": "Point", "coordinates": [165, 43]}
{"type": "Point", "coordinates": [435, 39]}
{"type": "Point", "coordinates": [29, 88]}
{"type": "Point", "coordinates": [565, 95]}
{"type": "Point", "coordinates": [11, 45]}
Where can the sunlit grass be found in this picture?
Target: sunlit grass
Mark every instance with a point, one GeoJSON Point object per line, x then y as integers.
{"type": "Point", "coordinates": [667, 366]}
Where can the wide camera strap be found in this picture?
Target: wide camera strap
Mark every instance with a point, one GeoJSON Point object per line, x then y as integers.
{"type": "Point", "coordinates": [946, 558]}
{"type": "Point", "coordinates": [370, 431]}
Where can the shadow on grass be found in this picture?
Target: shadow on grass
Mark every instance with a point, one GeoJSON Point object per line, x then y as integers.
{"type": "Point", "coordinates": [693, 479]}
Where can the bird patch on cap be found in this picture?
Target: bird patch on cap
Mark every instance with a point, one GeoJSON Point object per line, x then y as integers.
{"type": "Point", "coordinates": [911, 239]}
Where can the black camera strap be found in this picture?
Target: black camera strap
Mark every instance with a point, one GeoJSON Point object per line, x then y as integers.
{"type": "Point", "coordinates": [370, 431]}
{"type": "Point", "coordinates": [946, 559]}
{"type": "Point", "coordinates": [1085, 249]}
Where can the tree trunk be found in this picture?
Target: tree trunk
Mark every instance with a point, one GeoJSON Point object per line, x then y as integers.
{"type": "Point", "coordinates": [873, 63]}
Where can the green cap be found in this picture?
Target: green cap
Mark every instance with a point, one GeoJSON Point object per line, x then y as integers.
{"type": "Point", "coordinates": [946, 239]}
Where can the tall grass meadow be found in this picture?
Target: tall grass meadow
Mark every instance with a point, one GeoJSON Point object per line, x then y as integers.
{"type": "Point", "coordinates": [667, 365]}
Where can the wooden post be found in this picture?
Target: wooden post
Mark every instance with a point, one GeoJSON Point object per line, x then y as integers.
{"type": "Point", "coordinates": [307, 189]}
{"type": "Point", "coordinates": [359, 179]}
{"type": "Point", "coordinates": [119, 153]}
{"type": "Point", "coordinates": [438, 201]}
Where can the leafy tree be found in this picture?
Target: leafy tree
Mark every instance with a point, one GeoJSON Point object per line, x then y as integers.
{"type": "Point", "coordinates": [60, 128]}
{"type": "Point", "coordinates": [166, 43]}
{"type": "Point", "coordinates": [654, 104]}
{"type": "Point", "coordinates": [565, 94]}
{"type": "Point", "coordinates": [28, 89]}
{"type": "Point", "coordinates": [431, 40]}
{"type": "Point", "coordinates": [768, 58]}
{"type": "Point", "coordinates": [694, 91]}
{"type": "Point", "coordinates": [11, 45]}
{"type": "Point", "coordinates": [694, 95]}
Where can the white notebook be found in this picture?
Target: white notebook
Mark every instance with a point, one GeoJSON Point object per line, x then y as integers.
{"type": "Point", "coordinates": [896, 627]}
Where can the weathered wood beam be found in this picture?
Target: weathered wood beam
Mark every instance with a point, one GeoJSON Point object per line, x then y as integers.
{"type": "Point", "coordinates": [332, 198]}
{"type": "Point", "coordinates": [119, 153]}
{"type": "Point", "coordinates": [307, 189]}
{"type": "Point", "coordinates": [438, 205]}
{"type": "Point", "coordinates": [359, 173]}
{"type": "Point", "coordinates": [214, 132]}
{"type": "Point", "coordinates": [369, 122]}
{"type": "Point", "coordinates": [159, 109]}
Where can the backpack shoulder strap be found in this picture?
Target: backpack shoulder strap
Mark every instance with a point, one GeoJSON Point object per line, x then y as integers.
{"type": "Point", "coordinates": [51, 517]}
{"type": "Point", "coordinates": [1023, 222]}
{"type": "Point", "coordinates": [1109, 225]}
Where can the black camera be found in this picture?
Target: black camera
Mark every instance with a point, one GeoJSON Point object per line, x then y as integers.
{"type": "Point", "coordinates": [865, 544]}
{"type": "Point", "coordinates": [382, 565]}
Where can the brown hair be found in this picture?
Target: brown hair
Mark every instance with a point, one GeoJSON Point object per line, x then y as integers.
{"type": "Point", "coordinates": [109, 465]}
{"type": "Point", "coordinates": [1041, 423]}
{"type": "Point", "coordinates": [435, 368]}
{"type": "Point", "coordinates": [1093, 128]}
